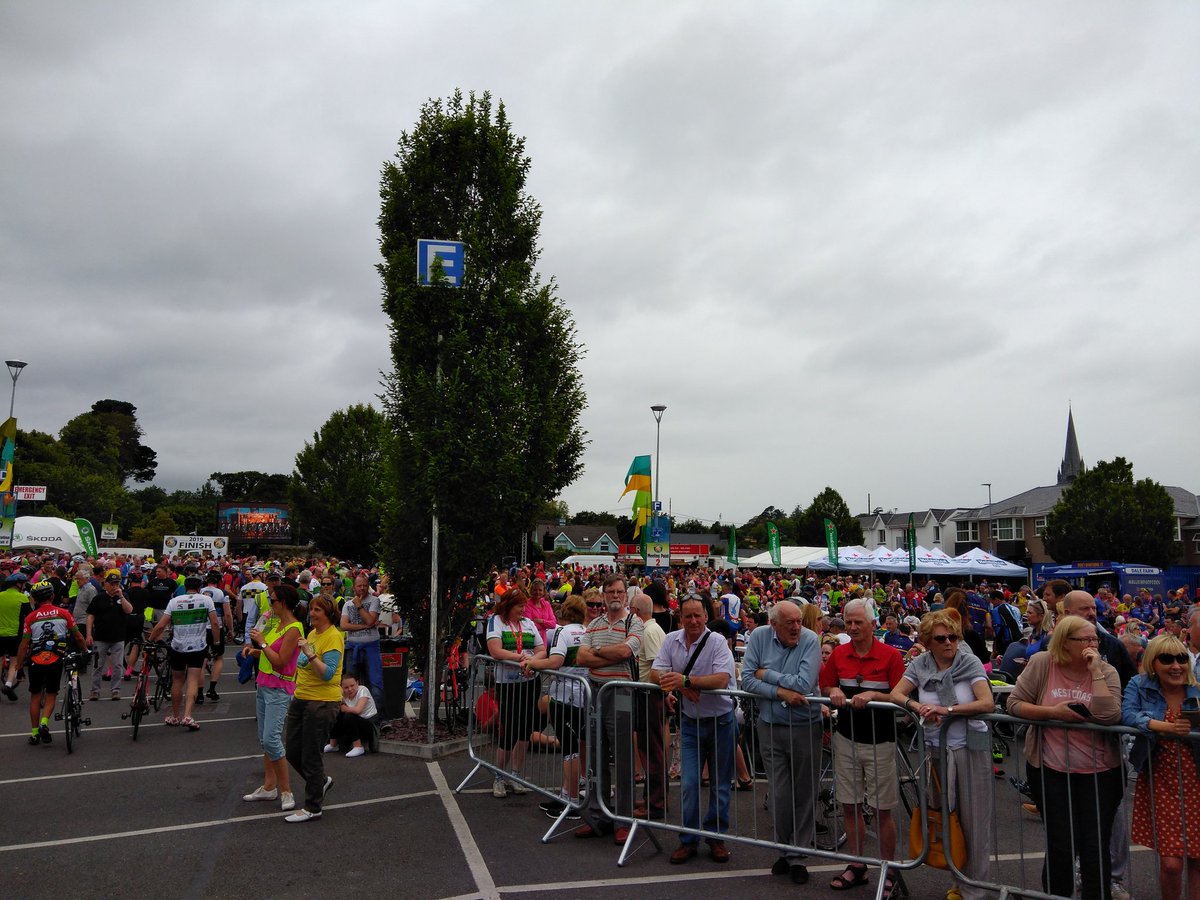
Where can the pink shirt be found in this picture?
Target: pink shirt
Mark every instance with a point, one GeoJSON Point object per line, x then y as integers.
{"type": "Point", "coordinates": [541, 613]}
{"type": "Point", "coordinates": [1073, 750]}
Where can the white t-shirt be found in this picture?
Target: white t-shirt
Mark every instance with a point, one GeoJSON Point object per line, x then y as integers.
{"type": "Point", "coordinates": [566, 645]}
{"type": "Point", "coordinates": [189, 620]}
{"type": "Point", "coordinates": [218, 597]}
{"type": "Point", "coordinates": [369, 711]}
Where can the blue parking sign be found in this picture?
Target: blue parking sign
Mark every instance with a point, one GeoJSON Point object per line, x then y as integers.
{"type": "Point", "coordinates": [451, 255]}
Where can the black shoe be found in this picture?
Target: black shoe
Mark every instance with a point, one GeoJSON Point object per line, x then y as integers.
{"type": "Point", "coordinates": [45, 735]}
{"type": "Point", "coordinates": [9, 692]}
{"type": "Point", "coordinates": [799, 874]}
{"type": "Point", "coordinates": [34, 739]}
{"type": "Point", "coordinates": [199, 698]}
{"type": "Point", "coordinates": [552, 808]}
{"type": "Point", "coordinates": [213, 695]}
{"type": "Point", "coordinates": [781, 867]}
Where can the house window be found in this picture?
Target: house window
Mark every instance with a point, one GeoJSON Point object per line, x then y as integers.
{"type": "Point", "coordinates": [1039, 526]}
{"type": "Point", "coordinates": [882, 536]}
{"type": "Point", "coordinates": [1178, 531]}
{"type": "Point", "coordinates": [937, 534]}
{"type": "Point", "coordinates": [968, 533]}
{"type": "Point", "coordinates": [1008, 529]}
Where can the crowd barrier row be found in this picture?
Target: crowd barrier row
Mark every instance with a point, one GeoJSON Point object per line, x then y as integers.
{"type": "Point", "coordinates": [617, 756]}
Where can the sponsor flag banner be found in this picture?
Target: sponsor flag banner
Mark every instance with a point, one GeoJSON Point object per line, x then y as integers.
{"type": "Point", "coordinates": [911, 534]}
{"type": "Point", "coordinates": [732, 555]}
{"type": "Point", "coordinates": [8, 449]}
{"type": "Point", "coordinates": [87, 536]}
{"type": "Point", "coordinates": [773, 542]}
{"type": "Point", "coordinates": [637, 480]}
{"type": "Point", "coordinates": [831, 542]}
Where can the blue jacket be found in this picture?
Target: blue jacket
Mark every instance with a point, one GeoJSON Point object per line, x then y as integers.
{"type": "Point", "coordinates": [1142, 703]}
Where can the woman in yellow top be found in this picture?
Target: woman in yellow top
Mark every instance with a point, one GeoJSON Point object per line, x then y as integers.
{"type": "Point", "coordinates": [315, 704]}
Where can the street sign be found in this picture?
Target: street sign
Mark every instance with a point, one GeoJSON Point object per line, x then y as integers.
{"type": "Point", "coordinates": [450, 255]}
{"type": "Point", "coordinates": [657, 507]}
{"type": "Point", "coordinates": [30, 492]}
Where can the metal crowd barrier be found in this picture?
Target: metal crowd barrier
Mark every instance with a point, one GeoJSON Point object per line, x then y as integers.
{"type": "Point", "coordinates": [737, 807]}
{"type": "Point", "coordinates": [530, 734]}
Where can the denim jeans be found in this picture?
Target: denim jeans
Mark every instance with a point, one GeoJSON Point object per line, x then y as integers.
{"type": "Point", "coordinates": [710, 740]}
{"type": "Point", "coordinates": [271, 705]}
{"type": "Point", "coordinates": [365, 658]}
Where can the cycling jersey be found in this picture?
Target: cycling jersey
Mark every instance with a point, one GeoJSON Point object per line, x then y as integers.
{"type": "Point", "coordinates": [189, 616]}
{"type": "Point", "coordinates": [47, 629]}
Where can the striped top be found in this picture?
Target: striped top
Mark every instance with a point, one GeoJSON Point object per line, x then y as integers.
{"type": "Point", "coordinates": [603, 633]}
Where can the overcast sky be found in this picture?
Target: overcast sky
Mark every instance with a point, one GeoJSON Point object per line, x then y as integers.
{"type": "Point", "coordinates": [877, 246]}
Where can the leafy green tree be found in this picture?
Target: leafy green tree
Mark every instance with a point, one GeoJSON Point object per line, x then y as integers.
{"type": "Point", "coordinates": [828, 504]}
{"type": "Point", "coordinates": [587, 517]}
{"type": "Point", "coordinates": [484, 394]}
{"type": "Point", "coordinates": [1105, 514]}
{"type": "Point", "coordinates": [136, 460]}
{"type": "Point", "coordinates": [252, 487]}
{"type": "Point", "coordinates": [151, 533]}
{"type": "Point", "coordinates": [335, 491]}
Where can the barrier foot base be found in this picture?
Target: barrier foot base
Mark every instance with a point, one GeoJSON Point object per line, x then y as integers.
{"type": "Point", "coordinates": [554, 830]}
{"type": "Point", "coordinates": [628, 849]}
{"type": "Point", "coordinates": [467, 780]}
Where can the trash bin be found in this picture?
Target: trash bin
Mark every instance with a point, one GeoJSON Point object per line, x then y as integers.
{"type": "Point", "coordinates": [394, 653]}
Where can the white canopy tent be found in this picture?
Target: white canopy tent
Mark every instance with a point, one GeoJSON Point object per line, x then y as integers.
{"type": "Point", "coordinates": [981, 562]}
{"type": "Point", "coordinates": [47, 532]}
{"type": "Point", "coordinates": [789, 558]}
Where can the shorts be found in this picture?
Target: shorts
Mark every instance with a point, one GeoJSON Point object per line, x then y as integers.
{"type": "Point", "coordinates": [46, 678]}
{"type": "Point", "coordinates": [865, 771]}
{"type": "Point", "coordinates": [216, 648]}
{"type": "Point", "coordinates": [181, 661]}
{"type": "Point", "coordinates": [9, 644]}
{"type": "Point", "coordinates": [568, 726]}
{"type": "Point", "coordinates": [517, 701]}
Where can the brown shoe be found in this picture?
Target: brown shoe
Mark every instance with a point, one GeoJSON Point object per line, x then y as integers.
{"type": "Point", "coordinates": [620, 836]}
{"type": "Point", "coordinates": [717, 852]}
{"type": "Point", "coordinates": [586, 831]}
{"type": "Point", "coordinates": [684, 852]}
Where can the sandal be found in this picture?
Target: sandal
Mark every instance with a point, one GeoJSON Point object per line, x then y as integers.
{"type": "Point", "coordinates": [854, 876]}
{"type": "Point", "coordinates": [894, 886]}
{"type": "Point", "coordinates": [747, 785]}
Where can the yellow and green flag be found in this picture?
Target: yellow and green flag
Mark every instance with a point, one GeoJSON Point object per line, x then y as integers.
{"type": "Point", "coordinates": [637, 479]}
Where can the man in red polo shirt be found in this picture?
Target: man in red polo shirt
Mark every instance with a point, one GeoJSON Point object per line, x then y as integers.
{"type": "Point", "coordinates": [864, 744]}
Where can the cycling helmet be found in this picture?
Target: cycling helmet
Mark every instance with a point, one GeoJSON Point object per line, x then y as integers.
{"type": "Point", "coordinates": [43, 590]}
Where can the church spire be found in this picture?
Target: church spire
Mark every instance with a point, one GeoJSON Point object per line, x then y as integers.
{"type": "Point", "coordinates": [1072, 465]}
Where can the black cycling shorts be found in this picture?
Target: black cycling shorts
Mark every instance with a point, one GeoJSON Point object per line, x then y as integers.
{"type": "Point", "coordinates": [9, 644]}
{"type": "Point", "coordinates": [181, 661]}
{"type": "Point", "coordinates": [216, 648]}
{"type": "Point", "coordinates": [46, 678]}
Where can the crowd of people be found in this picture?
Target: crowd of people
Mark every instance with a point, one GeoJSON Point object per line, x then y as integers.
{"type": "Point", "coordinates": [940, 652]}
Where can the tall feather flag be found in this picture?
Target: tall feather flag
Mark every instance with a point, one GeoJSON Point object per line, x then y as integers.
{"type": "Point", "coordinates": [637, 479]}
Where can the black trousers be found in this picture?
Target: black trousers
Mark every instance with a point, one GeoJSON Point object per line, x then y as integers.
{"type": "Point", "coordinates": [1078, 810]}
{"type": "Point", "coordinates": [309, 724]}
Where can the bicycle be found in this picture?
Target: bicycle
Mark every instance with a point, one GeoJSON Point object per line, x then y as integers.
{"type": "Point", "coordinates": [71, 714]}
{"type": "Point", "coordinates": [140, 705]}
{"type": "Point", "coordinates": [452, 690]}
{"type": "Point", "coordinates": [162, 687]}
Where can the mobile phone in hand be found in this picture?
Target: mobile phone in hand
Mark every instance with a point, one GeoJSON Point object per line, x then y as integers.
{"type": "Point", "coordinates": [1080, 709]}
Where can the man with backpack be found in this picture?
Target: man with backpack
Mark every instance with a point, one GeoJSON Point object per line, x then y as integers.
{"type": "Point", "coordinates": [1005, 622]}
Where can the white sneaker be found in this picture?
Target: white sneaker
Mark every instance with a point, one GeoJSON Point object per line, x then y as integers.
{"type": "Point", "coordinates": [289, 801]}
{"type": "Point", "coordinates": [330, 748]}
{"type": "Point", "coordinates": [517, 788]}
{"type": "Point", "coordinates": [498, 789]}
{"type": "Point", "coordinates": [355, 751]}
{"type": "Point", "coordinates": [302, 816]}
{"type": "Point", "coordinates": [261, 793]}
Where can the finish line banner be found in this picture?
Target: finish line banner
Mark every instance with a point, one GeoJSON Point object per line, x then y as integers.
{"type": "Point", "coordinates": [179, 544]}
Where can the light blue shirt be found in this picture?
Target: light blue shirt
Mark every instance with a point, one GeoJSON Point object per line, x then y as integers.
{"type": "Point", "coordinates": [794, 668]}
{"type": "Point", "coordinates": [715, 657]}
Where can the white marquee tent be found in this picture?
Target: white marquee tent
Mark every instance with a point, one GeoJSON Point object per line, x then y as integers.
{"type": "Point", "coordinates": [47, 532]}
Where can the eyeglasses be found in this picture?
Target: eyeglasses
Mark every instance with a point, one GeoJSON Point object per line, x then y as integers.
{"type": "Point", "coordinates": [1182, 658]}
{"type": "Point", "coordinates": [942, 638]}
{"type": "Point", "coordinates": [326, 584]}
{"type": "Point", "coordinates": [1085, 640]}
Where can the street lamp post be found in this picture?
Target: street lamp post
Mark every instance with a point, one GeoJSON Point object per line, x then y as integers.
{"type": "Point", "coordinates": [988, 485]}
{"type": "Point", "coordinates": [14, 370]}
{"type": "Point", "coordinates": [658, 409]}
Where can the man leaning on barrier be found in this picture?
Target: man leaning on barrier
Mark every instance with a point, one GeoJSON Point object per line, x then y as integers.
{"type": "Point", "coordinates": [781, 666]}
{"type": "Point", "coordinates": [692, 660]}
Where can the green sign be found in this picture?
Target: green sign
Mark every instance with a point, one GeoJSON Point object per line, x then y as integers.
{"type": "Point", "coordinates": [831, 542]}
{"type": "Point", "coordinates": [911, 535]}
{"type": "Point", "coordinates": [732, 555]}
{"type": "Point", "coordinates": [773, 542]}
{"type": "Point", "coordinates": [87, 536]}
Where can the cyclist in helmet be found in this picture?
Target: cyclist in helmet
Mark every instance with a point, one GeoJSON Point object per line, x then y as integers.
{"type": "Point", "coordinates": [44, 639]}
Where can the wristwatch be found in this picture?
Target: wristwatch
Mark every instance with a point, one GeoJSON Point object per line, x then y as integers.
{"type": "Point", "coordinates": [949, 710]}
{"type": "Point", "coordinates": [687, 681]}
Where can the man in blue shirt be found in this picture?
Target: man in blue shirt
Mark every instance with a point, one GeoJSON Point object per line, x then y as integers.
{"type": "Point", "coordinates": [781, 666]}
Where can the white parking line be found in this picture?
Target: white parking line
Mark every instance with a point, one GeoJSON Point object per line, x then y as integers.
{"type": "Point", "coordinates": [191, 826]}
{"type": "Point", "coordinates": [475, 862]}
{"type": "Point", "coordinates": [171, 765]}
{"type": "Point", "coordinates": [89, 728]}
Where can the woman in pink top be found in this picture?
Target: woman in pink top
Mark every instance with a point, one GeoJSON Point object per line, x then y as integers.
{"type": "Point", "coordinates": [538, 608]}
{"type": "Point", "coordinates": [1076, 775]}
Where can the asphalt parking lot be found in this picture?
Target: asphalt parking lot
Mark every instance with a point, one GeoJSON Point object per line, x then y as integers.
{"type": "Point", "coordinates": [163, 816]}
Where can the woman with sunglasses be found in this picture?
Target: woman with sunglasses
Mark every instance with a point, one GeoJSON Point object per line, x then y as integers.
{"type": "Point", "coordinates": [1156, 704]}
{"type": "Point", "coordinates": [949, 681]}
{"type": "Point", "coordinates": [1076, 775]}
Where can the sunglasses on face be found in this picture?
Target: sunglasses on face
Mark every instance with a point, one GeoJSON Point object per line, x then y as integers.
{"type": "Point", "coordinates": [1168, 658]}
{"type": "Point", "coordinates": [326, 584]}
{"type": "Point", "coordinates": [942, 638]}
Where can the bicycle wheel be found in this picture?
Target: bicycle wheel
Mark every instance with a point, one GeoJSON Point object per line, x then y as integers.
{"type": "Point", "coordinates": [139, 705]}
{"type": "Point", "coordinates": [68, 717]}
{"type": "Point", "coordinates": [910, 787]}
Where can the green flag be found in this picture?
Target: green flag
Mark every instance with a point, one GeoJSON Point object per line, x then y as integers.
{"type": "Point", "coordinates": [87, 536]}
{"type": "Point", "coordinates": [773, 542]}
{"type": "Point", "coordinates": [831, 541]}
{"type": "Point", "coordinates": [911, 536]}
{"type": "Point", "coordinates": [732, 554]}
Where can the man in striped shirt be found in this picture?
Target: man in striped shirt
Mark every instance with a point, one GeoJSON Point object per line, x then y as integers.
{"type": "Point", "coordinates": [609, 644]}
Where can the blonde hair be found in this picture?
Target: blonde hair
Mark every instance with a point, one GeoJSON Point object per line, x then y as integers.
{"type": "Point", "coordinates": [1063, 629]}
{"type": "Point", "coordinates": [947, 618]}
{"type": "Point", "coordinates": [1165, 643]}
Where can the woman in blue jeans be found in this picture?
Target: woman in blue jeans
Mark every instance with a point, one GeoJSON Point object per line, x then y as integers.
{"type": "Point", "coordinates": [277, 648]}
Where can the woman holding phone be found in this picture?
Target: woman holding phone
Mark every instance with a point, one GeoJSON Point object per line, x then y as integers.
{"type": "Point", "coordinates": [1162, 702]}
{"type": "Point", "coordinates": [1076, 776]}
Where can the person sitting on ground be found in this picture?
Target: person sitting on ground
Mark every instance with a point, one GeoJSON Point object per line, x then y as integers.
{"type": "Point", "coordinates": [355, 719]}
